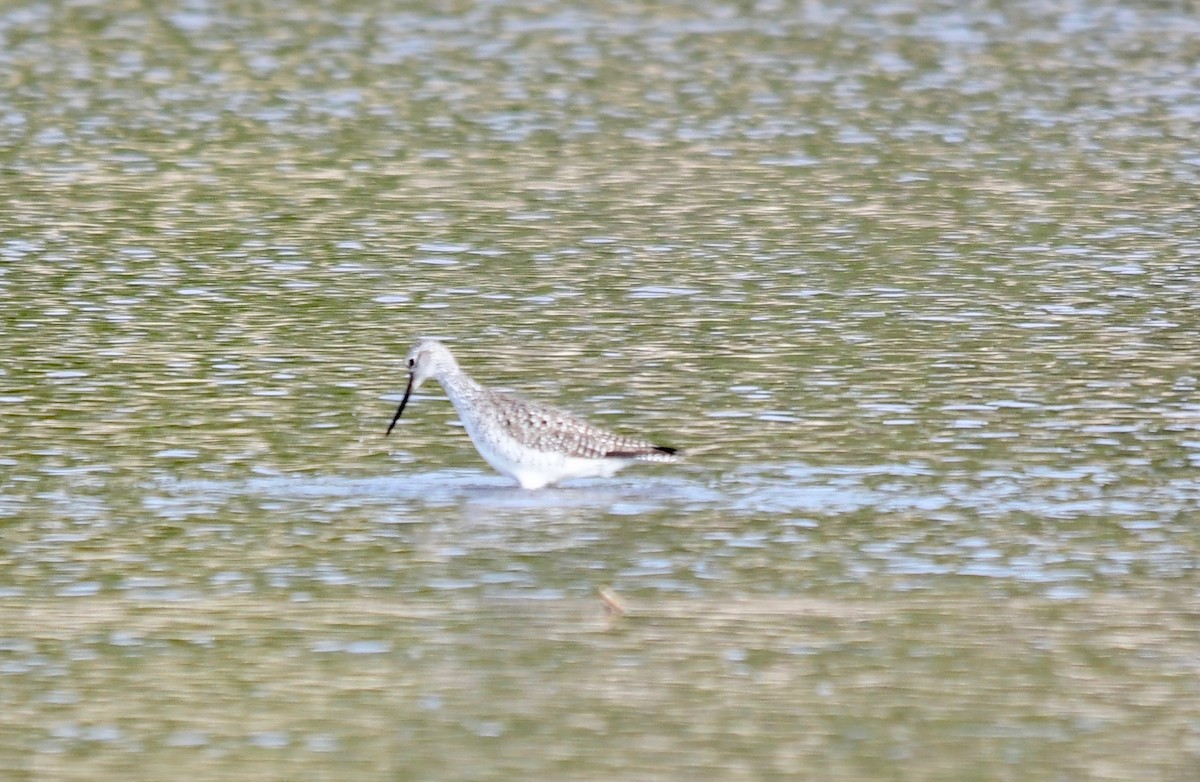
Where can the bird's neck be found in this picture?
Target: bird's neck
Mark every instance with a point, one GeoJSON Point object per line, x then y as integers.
{"type": "Point", "coordinates": [459, 386]}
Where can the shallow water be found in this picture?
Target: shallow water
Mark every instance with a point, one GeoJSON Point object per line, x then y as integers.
{"type": "Point", "coordinates": [915, 286]}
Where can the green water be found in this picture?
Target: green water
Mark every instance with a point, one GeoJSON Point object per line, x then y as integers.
{"type": "Point", "coordinates": [914, 284]}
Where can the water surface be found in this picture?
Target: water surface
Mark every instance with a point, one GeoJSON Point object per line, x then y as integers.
{"type": "Point", "coordinates": [913, 283]}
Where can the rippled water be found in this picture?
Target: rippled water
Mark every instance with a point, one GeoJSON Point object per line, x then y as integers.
{"type": "Point", "coordinates": [915, 285]}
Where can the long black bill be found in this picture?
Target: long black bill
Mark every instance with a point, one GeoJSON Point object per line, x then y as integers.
{"type": "Point", "coordinates": [403, 402]}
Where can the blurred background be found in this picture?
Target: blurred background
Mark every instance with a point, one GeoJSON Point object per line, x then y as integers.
{"type": "Point", "coordinates": [916, 282]}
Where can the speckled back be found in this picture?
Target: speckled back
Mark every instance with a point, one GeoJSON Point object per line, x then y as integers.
{"type": "Point", "coordinates": [545, 428]}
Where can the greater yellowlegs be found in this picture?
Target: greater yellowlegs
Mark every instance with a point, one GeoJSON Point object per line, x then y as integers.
{"type": "Point", "coordinates": [532, 443]}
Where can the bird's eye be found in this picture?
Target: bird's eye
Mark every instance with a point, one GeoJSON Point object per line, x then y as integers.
{"type": "Point", "coordinates": [411, 361]}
